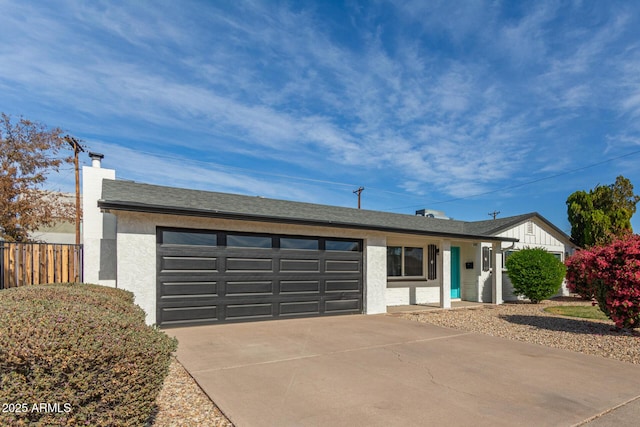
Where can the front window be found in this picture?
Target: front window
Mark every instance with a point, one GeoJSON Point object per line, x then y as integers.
{"type": "Point", "coordinates": [505, 257]}
{"type": "Point", "coordinates": [405, 261]}
{"type": "Point", "coordinates": [413, 262]}
{"type": "Point", "coordinates": [394, 261]}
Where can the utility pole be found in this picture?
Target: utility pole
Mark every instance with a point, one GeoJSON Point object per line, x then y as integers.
{"type": "Point", "coordinates": [77, 148]}
{"type": "Point", "coordinates": [358, 192]}
{"type": "Point", "coordinates": [494, 214]}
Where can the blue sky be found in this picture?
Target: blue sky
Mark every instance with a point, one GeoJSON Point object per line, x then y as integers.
{"type": "Point", "coordinates": [462, 106]}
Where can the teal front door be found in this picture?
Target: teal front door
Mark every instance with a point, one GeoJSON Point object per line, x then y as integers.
{"type": "Point", "coordinates": [455, 272]}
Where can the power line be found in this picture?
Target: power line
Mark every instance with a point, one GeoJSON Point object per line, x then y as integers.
{"type": "Point", "coordinates": [251, 171]}
{"type": "Point", "coordinates": [524, 183]}
{"type": "Point", "coordinates": [257, 172]}
{"type": "Point", "coordinates": [345, 184]}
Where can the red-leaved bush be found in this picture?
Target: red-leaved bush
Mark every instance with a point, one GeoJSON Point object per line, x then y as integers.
{"type": "Point", "coordinates": [579, 267]}
{"type": "Point", "coordinates": [612, 273]}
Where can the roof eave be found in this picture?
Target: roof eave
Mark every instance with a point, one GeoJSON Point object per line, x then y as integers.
{"type": "Point", "coordinates": [206, 213]}
{"type": "Point", "coordinates": [528, 217]}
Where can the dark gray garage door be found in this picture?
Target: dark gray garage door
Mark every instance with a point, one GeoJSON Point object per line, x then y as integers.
{"type": "Point", "coordinates": [214, 276]}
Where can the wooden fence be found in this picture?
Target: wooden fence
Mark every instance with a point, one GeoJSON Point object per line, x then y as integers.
{"type": "Point", "coordinates": [24, 264]}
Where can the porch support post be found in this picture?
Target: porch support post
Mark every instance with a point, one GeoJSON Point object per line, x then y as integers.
{"type": "Point", "coordinates": [496, 276]}
{"type": "Point", "coordinates": [375, 275]}
{"type": "Point", "coordinates": [445, 289]}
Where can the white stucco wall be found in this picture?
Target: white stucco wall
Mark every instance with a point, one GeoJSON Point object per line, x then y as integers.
{"type": "Point", "coordinates": [137, 261]}
{"type": "Point", "coordinates": [136, 236]}
{"type": "Point", "coordinates": [375, 279]}
{"type": "Point", "coordinates": [98, 230]}
{"type": "Point", "coordinates": [412, 292]}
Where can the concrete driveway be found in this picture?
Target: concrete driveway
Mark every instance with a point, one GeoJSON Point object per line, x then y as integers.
{"type": "Point", "coordinates": [385, 371]}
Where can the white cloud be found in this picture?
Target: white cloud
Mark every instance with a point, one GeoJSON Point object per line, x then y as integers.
{"type": "Point", "coordinates": [158, 169]}
{"type": "Point", "coordinates": [250, 80]}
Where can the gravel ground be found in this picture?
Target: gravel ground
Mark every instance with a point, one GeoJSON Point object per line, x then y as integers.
{"type": "Point", "coordinates": [182, 403]}
{"type": "Point", "coordinates": [530, 323]}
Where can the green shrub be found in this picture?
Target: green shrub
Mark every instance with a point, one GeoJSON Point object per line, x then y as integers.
{"type": "Point", "coordinates": [83, 350]}
{"type": "Point", "coordinates": [535, 273]}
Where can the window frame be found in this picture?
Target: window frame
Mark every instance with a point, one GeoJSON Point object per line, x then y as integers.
{"type": "Point", "coordinates": [249, 238]}
{"type": "Point", "coordinates": [559, 255]}
{"type": "Point", "coordinates": [403, 262]}
{"type": "Point", "coordinates": [306, 242]}
{"type": "Point", "coordinates": [163, 233]}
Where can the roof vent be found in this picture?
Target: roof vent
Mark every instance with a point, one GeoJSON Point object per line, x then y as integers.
{"type": "Point", "coordinates": [430, 213]}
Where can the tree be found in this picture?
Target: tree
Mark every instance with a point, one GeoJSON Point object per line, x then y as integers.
{"type": "Point", "coordinates": [612, 274]}
{"type": "Point", "coordinates": [535, 273]}
{"type": "Point", "coordinates": [29, 152]}
{"type": "Point", "coordinates": [603, 213]}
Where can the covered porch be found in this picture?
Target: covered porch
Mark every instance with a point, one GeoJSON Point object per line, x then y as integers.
{"type": "Point", "coordinates": [427, 274]}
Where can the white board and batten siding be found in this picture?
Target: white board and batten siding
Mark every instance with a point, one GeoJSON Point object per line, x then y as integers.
{"type": "Point", "coordinates": [534, 234]}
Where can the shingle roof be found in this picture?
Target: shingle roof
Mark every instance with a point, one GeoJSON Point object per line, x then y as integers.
{"type": "Point", "coordinates": [494, 226]}
{"type": "Point", "coordinates": [132, 196]}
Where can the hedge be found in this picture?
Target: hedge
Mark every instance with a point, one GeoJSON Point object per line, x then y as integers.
{"type": "Point", "coordinates": [77, 354]}
{"type": "Point", "coordinates": [535, 273]}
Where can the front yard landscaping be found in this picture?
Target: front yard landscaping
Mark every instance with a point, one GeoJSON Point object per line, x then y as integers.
{"type": "Point", "coordinates": [581, 311]}
{"type": "Point", "coordinates": [533, 323]}
{"type": "Point", "coordinates": [567, 323]}
{"type": "Point", "coordinates": [182, 402]}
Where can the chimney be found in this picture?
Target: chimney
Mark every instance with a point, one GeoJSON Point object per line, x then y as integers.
{"type": "Point", "coordinates": [96, 158]}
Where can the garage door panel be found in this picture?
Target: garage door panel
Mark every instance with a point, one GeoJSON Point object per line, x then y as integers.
{"type": "Point", "coordinates": [300, 265]}
{"type": "Point", "coordinates": [342, 266]}
{"type": "Point", "coordinates": [246, 276]}
{"type": "Point", "coordinates": [300, 308]}
{"type": "Point", "coordinates": [250, 264]}
{"type": "Point", "coordinates": [342, 305]}
{"type": "Point", "coordinates": [182, 263]}
{"type": "Point", "coordinates": [342, 285]}
{"type": "Point", "coordinates": [203, 314]}
{"type": "Point", "coordinates": [249, 288]}
{"type": "Point", "coordinates": [194, 288]}
{"type": "Point", "coordinates": [249, 311]}
{"type": "Point", "coordinates": [299, 286]}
